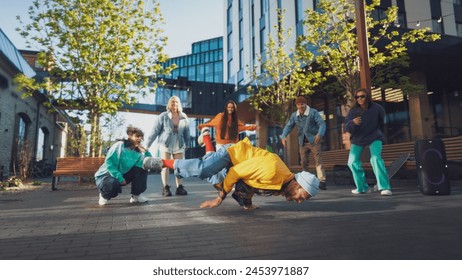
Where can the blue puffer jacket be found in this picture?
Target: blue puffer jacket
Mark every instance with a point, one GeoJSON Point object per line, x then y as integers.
{"type": "Point", "coordinates": [163, 128]}
{"type": "Point", "coordinates": [308, 125]}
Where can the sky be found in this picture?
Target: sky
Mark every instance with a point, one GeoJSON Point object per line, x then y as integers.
{"type": "Point", "coordinates": [187, 21]}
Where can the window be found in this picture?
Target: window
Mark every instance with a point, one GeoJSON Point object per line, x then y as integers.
{"type": "Point", "coordinates": [204, 46]}
{"type": "Point", "coordinates": [22, 122]}
{"type": "Point", "coordinates": [263, 7]}
{"type": "Point", "coordinates": [42, 143]}
{"type": "Point", "coordinates": [230, 42]}
{"type": "Point", "coordinates": [214, 44]}
{"type": "Point", "coordinates": [218, 69]}
{"type": "Point", "coordinates": [192, 73]}
{"type": "Point", "coordinates": [437, 25]}
{"type": "Point", "coordinates": [230, 62]}
{"type": "Point", "coordinates": [262, 41]}
{"type": "Point", "coordinates": [241, 59]}
{"type": "Point", "coordinates": [315, 4]}
{"type": "Point", "coordinates": [200, 72]}
{"type": "Point", "coordinates": [459, 29]}
{"type": "Point", "coordinates": [229, 17]}
{"type": "Point", "coordinates": [240, 9]}
{"type": "Point", "coordinates": [299, 17]}
{"type": "Point", "coordinates": [22, 128]}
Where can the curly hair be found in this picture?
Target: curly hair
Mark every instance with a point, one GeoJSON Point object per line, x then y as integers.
{"type": "Point", "coordinates": [132, 130]}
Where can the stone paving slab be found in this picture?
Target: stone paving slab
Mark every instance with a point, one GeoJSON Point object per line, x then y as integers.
{"type": "Point", "coordinates": [69, 224]}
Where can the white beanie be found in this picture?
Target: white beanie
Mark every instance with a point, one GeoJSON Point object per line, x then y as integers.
{"type": "Point", "coordinates": [308, 181]}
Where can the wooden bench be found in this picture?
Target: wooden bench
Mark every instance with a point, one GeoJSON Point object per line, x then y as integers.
{"type": "Point", "coordinates": [76, 166]}
{"type": "Point", "coordinates": [453, 147]}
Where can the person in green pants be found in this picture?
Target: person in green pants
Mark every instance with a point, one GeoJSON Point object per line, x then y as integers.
{"type": "Point", "coordinates": [364, 122]}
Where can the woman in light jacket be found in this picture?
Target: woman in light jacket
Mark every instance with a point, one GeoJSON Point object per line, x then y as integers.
{"type": "Point", "coordinates": [171, 129]}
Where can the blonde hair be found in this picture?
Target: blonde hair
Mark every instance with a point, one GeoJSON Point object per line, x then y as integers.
{"type": "Point", "coordinates": [177, 99]}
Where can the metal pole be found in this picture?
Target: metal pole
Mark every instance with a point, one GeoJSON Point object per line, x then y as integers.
{"type": "Point", "coordinates": [363, 47]}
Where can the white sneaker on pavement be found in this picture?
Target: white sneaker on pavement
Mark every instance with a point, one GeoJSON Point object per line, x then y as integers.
{"type": "Point", "coordinates": [386, 193]}
{"type": "Point", "coordinates": [102, 200]}
{"type": "Point", "coordinates": [358, 192]}
{"type": "Point", "coordinates": [138, 199]}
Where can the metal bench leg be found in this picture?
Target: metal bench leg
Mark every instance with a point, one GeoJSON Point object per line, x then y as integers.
{"type": "Point", "coordinates": [53, 184]}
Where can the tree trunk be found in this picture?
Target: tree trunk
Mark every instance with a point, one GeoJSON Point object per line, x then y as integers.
{"type": "Point", "coordinates": [345, 109]}
{"type": "Point", "coordinates": [95, 135]}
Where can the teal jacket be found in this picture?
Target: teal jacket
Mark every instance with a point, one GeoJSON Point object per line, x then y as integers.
{"type": "Point", "coordinates": [120, 159]}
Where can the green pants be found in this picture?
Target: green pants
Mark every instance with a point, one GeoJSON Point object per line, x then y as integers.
{"type": "Point", "coordinates": [378, 166]}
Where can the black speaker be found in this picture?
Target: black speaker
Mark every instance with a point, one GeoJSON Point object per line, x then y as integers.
{"type": "Point", "coordinates": [432, 168]}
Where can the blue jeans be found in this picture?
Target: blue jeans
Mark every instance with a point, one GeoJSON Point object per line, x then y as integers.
{"type": "Point", "coordinates": [213, 166]}
{"type": "Point", "coordinates": [378, 166]}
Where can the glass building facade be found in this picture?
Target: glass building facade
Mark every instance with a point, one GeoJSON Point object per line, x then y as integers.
{"type": "Point", "coordinates": [204, 64]}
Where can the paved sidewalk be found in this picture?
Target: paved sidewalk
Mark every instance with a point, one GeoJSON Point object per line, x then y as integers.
{"type": "Point", "coordinates": [69, 224]}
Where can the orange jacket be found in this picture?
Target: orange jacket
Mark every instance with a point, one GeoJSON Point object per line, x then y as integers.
{"type": "Point", "coordinates": [216, 121]}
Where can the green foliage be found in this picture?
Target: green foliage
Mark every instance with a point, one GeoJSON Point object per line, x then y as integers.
{"type": "Point", "coordinates": [331, 32]}
{"type": "Point", "coordinates": [99, 53]}
{"type": "Point", "coordinates": [76, 143]}
{"type": "Point", "coordinates": [281, 79]}
{"type": "Point", "coordinates": [11, 182]}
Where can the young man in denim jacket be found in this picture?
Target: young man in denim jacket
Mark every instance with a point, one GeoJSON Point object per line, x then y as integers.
{"type": "Point", "coordinates": [311, 128]}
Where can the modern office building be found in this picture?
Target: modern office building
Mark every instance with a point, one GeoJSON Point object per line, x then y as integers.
{"type": "Point", "coordinates": [436, 66]}
{"type": "Point", "coordinates": [204, 64]}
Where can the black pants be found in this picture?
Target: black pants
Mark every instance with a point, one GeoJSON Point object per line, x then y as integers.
{"type": "Point", "coordinates": [110, 187]}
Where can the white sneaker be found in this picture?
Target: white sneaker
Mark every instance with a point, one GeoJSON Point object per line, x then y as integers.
{"type": "Point", "coordinates": [138, 199]}
{"type": "Point", "coordinates": [200, 139]}
{"type": "Point", "coordinates": [152, 163]}
{"type": "Point", "coordinates": [386, 192]}
{"type": "Point", "coordinates": [102, 200]}
{"type": "Point", "coordinates": [358, 192]}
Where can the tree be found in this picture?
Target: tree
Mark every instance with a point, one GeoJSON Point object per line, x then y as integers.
{"type": "Point", "coordinates": [330, 32]}
{"type": "Point", "coordinates": [99, 54]}
{"type": "Point", "coordinates": [281, 78]}
{"type": "Point", "coordinates": [110, 126]}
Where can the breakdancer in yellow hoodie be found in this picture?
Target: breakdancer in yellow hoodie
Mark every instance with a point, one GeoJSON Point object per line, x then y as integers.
{"type": "Point", "coordinates": [250, 170]}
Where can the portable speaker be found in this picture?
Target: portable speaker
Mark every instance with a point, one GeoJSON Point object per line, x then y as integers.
{"type": "Point", "coordinates": [432, 169]}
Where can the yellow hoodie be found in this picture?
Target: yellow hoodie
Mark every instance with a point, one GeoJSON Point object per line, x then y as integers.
{"type": "Point", "coordinates": [258, 168]}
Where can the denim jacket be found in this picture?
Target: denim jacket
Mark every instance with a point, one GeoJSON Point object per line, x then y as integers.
{"type": "Point", "coordinates": [308, 125]}
{"type": "Point", "coordinates": [163, 128]}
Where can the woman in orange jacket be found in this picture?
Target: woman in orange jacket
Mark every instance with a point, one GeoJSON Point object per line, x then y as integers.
{"type": "Point", "coordinates": [227, 125]}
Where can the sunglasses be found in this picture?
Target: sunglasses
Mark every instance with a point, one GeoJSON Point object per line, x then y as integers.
{"type": "Point", "coordinates": [360, 96]}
